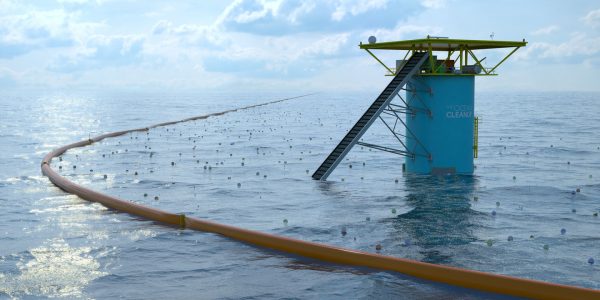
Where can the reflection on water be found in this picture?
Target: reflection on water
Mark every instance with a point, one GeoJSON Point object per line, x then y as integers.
{"type": "Point", "coordinates": [54, 270]}
{"type": "Point", "coordinates": [441, 214]}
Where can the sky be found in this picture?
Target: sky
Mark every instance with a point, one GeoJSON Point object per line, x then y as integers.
{"type": "Point", "coordinates": [295, 45]}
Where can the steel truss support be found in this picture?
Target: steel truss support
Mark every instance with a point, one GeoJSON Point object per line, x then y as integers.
{"type": "Point", "coordinates": [394, 110]}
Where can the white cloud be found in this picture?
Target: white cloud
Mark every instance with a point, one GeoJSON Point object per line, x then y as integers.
{"type": "Point", "coordinates": [356, 8]}
{"type": "Point", "coordinates": [161, 27]}
{"type": "Point", "coordinates": [191, 35]}
{"type": "Point", "coordinates": [328, 45]}
{"type": "Point", "coordinates": [577, 49]}
{"type": "Point", "coordinates": [101, 51]}
{"type": "Point", "coordinates": [593, 18]}
{"type": "Point", "coordinates": [401, 31]}
{"type": "Point", "coordinates": [25, 32]}
{"type": "Point", "coordinates": [545, 30]}
{"type": "Point", "coordinates": [283, 17]}
{"type": "Point", "coordinates": [433, 3]}
{"type": "Point", "coordinates": [22, 33]}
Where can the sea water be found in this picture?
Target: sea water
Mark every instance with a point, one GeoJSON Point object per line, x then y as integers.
{"type": "Point", "coordinates": [537, 174]}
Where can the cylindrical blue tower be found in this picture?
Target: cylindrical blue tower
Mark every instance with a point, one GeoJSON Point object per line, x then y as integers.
{"type": "Point", "coordinates": [439, 124]}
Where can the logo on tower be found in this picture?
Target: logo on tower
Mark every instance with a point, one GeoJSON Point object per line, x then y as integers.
{"type": "Point", "coordinates": [459, 111]}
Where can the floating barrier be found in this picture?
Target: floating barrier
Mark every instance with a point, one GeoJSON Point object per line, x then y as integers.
{"type": "Point", "coordinates": [477, 280]}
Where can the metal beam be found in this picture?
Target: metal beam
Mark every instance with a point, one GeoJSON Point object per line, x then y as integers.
{"type": "Point", "coordinates": [377, 59]}
{"type": "Point", "coordinates": [386, 149]}
{"type": "Point", "coordinates": [505, 58]}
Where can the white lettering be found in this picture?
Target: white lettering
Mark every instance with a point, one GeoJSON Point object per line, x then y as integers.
{"type": "Point", "coordinates": [458, 111]}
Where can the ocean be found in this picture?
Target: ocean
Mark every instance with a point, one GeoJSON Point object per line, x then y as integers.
{"type": "Point", "coordinates": [528, 210]}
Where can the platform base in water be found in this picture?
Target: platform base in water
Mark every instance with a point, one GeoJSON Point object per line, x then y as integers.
{"type": "Point", "coordinates": [439, 124]}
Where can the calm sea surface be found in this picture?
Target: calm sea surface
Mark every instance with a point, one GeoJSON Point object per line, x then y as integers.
{"type": "Point", "coordinates": [538, 172]}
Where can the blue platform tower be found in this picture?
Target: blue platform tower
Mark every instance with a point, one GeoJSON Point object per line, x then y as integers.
{"type": "Point", "coordinates": [440, 124]}
{"type": "Point", "coordinates": [432, 97]}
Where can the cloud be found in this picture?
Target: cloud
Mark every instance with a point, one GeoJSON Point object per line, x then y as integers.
{"type": "Point", "coordinates": [285, 17]}
{"type": "Point", "coordinates": [545, 30]}
{"type": "Point", "coordinates": [401, 31]}
{"type": "Point", "coordinates": [290, 56]}
{"type": "Point", "coordinates": [20, 34]}
{"type": "Point", "coordinates": [101, 51]}
{"type": "Point", "coordinates": [592, 18]}
{"type": "Point", "coordinates": [191, 34]}
{"type": "Point", "coordinates": [433, 3]}
{"type": "Point", "coordinates": [355, 8]}
{"type": "Point", "coordinates": [580, 47]}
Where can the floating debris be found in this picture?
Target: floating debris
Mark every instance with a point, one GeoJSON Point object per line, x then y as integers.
{"type": "Point", "coordinates": [489, 242]}
{"type": "Point", "coordinates": [546, 247]}
{"type": "Point", "coordinates": [510, 238]}
{"type": "Point", "coordinates": [591, 260]}
{"type": "Point", "coordinates": [563, 231]}
{"type": "Point", "coordinates": [378, 247]}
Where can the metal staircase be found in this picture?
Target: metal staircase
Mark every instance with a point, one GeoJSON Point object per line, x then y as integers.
{"type": "Point", "coordinates": [411, 67]}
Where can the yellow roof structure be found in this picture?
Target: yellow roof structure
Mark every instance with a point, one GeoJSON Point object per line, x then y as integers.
{"type": "Point", "coordinates": [442, 44]}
